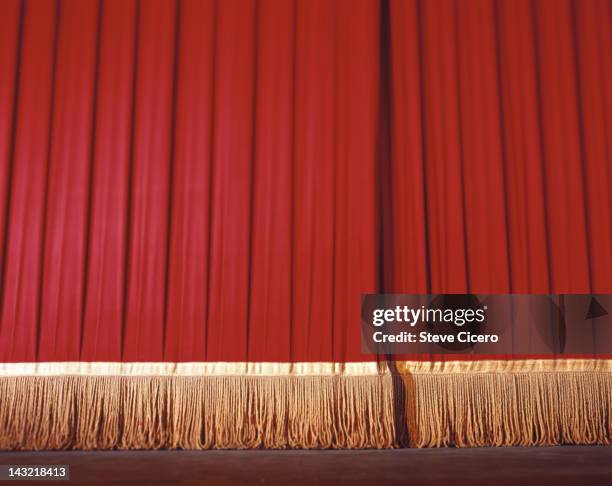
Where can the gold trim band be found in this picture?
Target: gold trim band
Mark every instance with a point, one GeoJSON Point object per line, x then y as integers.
{"type": "Point", "coordinates": [100, 368]}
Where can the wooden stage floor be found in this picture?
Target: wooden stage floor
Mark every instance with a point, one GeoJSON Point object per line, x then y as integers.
{"type": "Point", "coordinates": [517, 466]}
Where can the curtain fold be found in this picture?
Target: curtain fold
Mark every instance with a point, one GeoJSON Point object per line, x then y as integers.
{"type": "Point", "coordinates": [25, 193]}
{"type": "Point", "coordinates": [67, 186]}
{"type": "Point", "coordinates": [110, 183]}
{"type": "Point", "coordinates": [190, 215]}
{"type": "Point", "coordinates": [187, 180]}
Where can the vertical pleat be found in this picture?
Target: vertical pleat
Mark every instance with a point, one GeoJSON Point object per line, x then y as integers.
{"type": "Point", "coordinates": [442, 140]}
{"type": "Point", "coordinates": [65, 235]}
{"type": "Point", "coordinates": [189, 238]}
{"type": "Point", "coordinates": [407, 185]}
{"type": "Point", "coordinates": [481, 150]}
{"type": "Point", "coordinates": [22, 271]}
{"type": "Point", "coordinates": [105, 285]}
{"type": "Point", "coordinates": [528, 235]}
{"type": "Point", "coordinates": [230, 224]}
{"type": "Point", "coordinates": [564, 177]}
{"type": "Point", "coordinates": [522, 155]}
{"type": "Point", "coordinates": [313, 227]}
{"type": "Point", "coordinates": [150, 182]}
{"type": "Point", "coordinates": [9, 58]}
{"type": "Point", "coordinates": [272, 179]}
{"type": "Point", "coordinates": [562, 147]}
{"type": "Point", "coordinates": [593, 24]}
{"type": "Point", "coordinates": [355, 217]}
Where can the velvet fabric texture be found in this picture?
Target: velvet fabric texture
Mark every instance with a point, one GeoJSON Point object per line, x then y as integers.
{"type": "Point", "coordinates": [197, 180]}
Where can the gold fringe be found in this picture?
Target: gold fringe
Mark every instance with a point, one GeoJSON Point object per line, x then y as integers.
{"type": "Point", "coordinates": [422, 406]}
{"type": "Point", "coordinates": [509, 409]}
{"type": "Point", "coordinates": [227, 412]}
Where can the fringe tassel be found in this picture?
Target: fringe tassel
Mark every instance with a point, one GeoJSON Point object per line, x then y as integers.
{"type": "Point", "coordinates": [225, 412]}
{"type": "Point", "coordinates": [509, 409]}
{"type": "Point", "coordinates": [239, 412]}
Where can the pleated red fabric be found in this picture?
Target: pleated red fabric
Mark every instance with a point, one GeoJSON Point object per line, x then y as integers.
{"type": "Point", "coordinates": [205, 180]}
{"type": "Point", "coordinates": [9, 55]}
{"type": "Point", "coordinates": [524, 172]}
{"type": "Point", "coordinates": [64, 233]}
{"type": "Point", "coordinates": [593, 43]}
{"type": "Point", "coordinates": [150, 182]}
{"type": "Point", "coordinates": [269, 318]}
{"type": "Point", "coordinates": [110, 183]}
{"type": "Point", "coordinates": [188, 260]}
{"type": "Point", "coordinates": [444, 179]}
{"type": "Point", "coordinates": [27, 190]}
{"type": "Point", "coordinates": [313, 191]}
{"type": "Point", "coordinates": [231, 191]}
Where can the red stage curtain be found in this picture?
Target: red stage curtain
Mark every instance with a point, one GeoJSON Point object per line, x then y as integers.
{"type": "Point", "coordinates": [500, 120]}
{"type": "Point", "coordinates": [201, 180]}
{"type": "Point", "coordinates": [188, 181]}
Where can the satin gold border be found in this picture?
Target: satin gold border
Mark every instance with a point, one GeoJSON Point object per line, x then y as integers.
{"type": "Point", "coordinates": [507, 366]}
{"type": "Point", "coordinates": [99, 368]}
